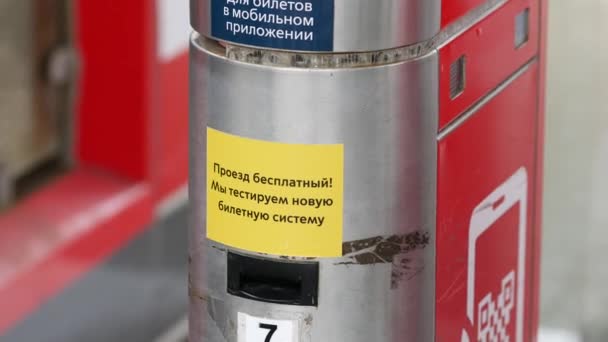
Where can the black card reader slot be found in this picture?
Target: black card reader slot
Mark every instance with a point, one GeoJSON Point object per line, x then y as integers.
{"type": "Point", "coordinates": [273, 281]}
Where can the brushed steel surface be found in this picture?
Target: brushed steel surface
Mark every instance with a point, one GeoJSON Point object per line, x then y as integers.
{"type": "Point", "coordinates": [386, 117]}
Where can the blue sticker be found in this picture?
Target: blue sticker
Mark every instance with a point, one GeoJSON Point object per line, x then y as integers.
{"type": "Point", "coordinates": [305, 25]}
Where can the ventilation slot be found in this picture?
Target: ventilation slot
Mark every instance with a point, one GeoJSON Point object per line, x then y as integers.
{"type": "Point", "coordinates": [457, 77]}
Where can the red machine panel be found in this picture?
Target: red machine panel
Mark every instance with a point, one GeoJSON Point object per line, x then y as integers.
{"type": "Point", "coordinates": [113, 102]}
{"type": "Point", "coordinates": [490, 54]}
{"type": "Point", "coordinates": [489, 165]}
{"type": "Point", "coordinates": [452, 10]}
{"type": "Point", "coordinates": [485, 226]}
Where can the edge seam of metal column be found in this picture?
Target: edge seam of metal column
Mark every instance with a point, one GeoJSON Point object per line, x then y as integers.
{"type": "Point", "coordinates": [325, 60]}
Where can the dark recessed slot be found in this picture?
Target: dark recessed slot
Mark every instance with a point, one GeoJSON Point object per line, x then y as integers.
{"type": "Point", "coordinates": [273, 281]}
{"type": "Point", "coordinates": [522, 28]}
{"type": "Point", "coordinates": [457, 77]}
{"type": "Point", "coordinates": [275, 289]}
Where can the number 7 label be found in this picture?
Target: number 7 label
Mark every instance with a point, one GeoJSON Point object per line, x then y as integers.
{"type": "Point", "coordinates": [258, 329]}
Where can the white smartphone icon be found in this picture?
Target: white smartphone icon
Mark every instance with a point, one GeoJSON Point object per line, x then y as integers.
{"type": "Point", "coordinates": [509, 194]}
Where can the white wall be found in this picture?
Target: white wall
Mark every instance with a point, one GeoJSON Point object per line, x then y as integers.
{"type": "Point", "coordinates": [575, 259]}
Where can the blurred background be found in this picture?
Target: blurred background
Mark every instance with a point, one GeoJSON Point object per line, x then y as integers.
{"type": "Point", "coordinates": [93, 167]}
{"type": "Point", "coordinates": [575, 232]}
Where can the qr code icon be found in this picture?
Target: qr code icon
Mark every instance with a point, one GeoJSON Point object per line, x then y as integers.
{"type": "Point", "coordinates": [494, 316]}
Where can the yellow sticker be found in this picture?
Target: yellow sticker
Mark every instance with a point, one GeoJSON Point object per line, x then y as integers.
{"type": "Point", "coordinates": [275, 198]}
